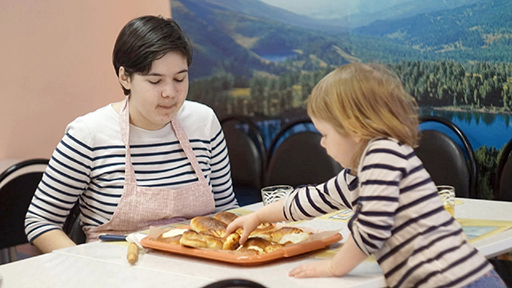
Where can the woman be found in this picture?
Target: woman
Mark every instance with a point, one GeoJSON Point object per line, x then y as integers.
{"type": "Point", "coordinates": [151, 159]}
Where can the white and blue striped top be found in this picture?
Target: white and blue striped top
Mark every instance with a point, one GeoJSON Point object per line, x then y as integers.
{"type": "Point", "coordinates": [89, 164]}
{"type": "Point", "coordinates": [398, 217]}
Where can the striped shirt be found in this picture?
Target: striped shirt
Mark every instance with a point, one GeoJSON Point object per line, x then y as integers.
{"type": "Point", "coordinates": [89, 165]}
{"type": "Point", "coordinates": [398, 217]}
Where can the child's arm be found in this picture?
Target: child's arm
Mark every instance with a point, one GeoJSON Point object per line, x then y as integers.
{"type": "Point", "coordinates": [343, 262]}
{"type": "Point", "coordinates": [270, 213]}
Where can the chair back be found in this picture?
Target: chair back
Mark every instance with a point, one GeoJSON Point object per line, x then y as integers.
{"type": "Point", "coordinates": [17, 186]}
{"type": "Point", "coordinates": [503, 180]}
{"type": "Point", "coordinates": [72, 226]}
{"type": "Point", "coordinates": [299, 159]}
{"type": "Point", "coordinates": [247, 157]}
{"type": "Point", "coordinates": [444, 159]}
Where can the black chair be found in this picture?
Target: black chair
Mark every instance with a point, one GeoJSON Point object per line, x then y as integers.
{"type": "Point", "coordinates": [299, 159]}
{"type": "Point", "coordinates": [72, 226]}
{"type": "Point", "coordinates": [247, 157]}
{"type": "Point", "coordinates": [503, 180]}
{"type": "Point", "coordinates": [17, 186]}
{"type": "Point", "coordinates": [234, 283]}
{"type": "Point", "coordinates": [503, 192]}
{"type": "Point", "coordinates": [443, 158]}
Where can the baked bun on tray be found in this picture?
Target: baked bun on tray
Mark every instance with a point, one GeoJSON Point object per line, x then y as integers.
{"type": "Point", "coordinates": [226, 217]}
{"type": "Point", "coordinates": [260, 245]}
{"type": "Point", "coordinates": [210, 233]}
{"type": "Point", "coordinates": [213, 226]}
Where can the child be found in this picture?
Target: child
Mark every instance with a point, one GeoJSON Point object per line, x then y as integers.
{"type": "Point", "coordinates": [369, 125]}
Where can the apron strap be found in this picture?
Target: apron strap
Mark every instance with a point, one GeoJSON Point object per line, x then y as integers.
{"type": "Point", "coordinates": [124, 124]}
{"type": "Point", "coordinates": [185, 144]}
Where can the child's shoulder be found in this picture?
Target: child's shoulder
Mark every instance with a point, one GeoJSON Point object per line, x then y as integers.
{"type": "Point", "coordinates": [389, 144]}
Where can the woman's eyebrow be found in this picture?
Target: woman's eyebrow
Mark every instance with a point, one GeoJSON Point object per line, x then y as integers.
{"type": "Point", "coordinates": [161, 75]}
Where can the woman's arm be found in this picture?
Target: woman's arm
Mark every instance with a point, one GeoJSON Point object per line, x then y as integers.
{"type": "Point", "coordinates": [52, 240]}
{"type": "Point", "coordinates": [65, 178]}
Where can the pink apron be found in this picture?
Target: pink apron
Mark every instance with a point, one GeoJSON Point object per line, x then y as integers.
{"type": "Point", "coordinates": [141, 207]}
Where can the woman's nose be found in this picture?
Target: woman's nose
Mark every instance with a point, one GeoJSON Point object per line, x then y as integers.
{"type": "Point", "coordinates": [169, 90]}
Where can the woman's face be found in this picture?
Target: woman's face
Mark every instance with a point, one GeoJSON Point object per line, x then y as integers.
{"type": "Point", "coordinates": [341, 147]}
{"type": "Point", "coordinates": [158, 96]}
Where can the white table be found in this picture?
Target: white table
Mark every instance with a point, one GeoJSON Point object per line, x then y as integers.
{"type": "Point", "coordinates": [104, 264]}
{"type": "Point", "coordinates": [488, 210]}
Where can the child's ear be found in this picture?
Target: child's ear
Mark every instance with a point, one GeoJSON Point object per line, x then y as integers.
{"type": "Point", "coordinates": [124, 79]}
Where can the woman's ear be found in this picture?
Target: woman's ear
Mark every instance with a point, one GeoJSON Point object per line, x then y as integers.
{"type": "Point", "coordinates": [124, 79]}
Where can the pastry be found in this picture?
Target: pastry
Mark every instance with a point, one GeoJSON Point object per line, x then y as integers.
{"type": "Point", "coordinates": [226, 217]}
{"type": "Point", "coordinates": [212, 225]}
{"type": "Point", "coordinates": [231, 242]}
{"type": "Point", "coordinates": [284, 235]}
{"type": "Point", "coordinates": [260, 245]}
{"type": "Point", "coordinates": [263, 231]}
{"type": "Point", "coordinates": [171, 236]}
{"type": "Point", "coordinates": [289, 235]}
{"type": "Point", "coordinates": [195, 239]}
{"type": "Point", "coordinates": [210, 233]}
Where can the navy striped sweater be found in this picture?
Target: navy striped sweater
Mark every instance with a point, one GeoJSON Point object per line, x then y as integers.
{"type": "Point", "coordinates": [89, 163]}
{"type": "Point", "coordinates": [398, 217]}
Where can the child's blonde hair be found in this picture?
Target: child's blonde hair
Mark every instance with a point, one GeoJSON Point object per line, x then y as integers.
{"type": "Point", "coordinates": [366, 101]}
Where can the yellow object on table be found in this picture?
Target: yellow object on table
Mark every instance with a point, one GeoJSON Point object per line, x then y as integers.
{"type": "Point", "coordinates": [476, 229]}
{"type": "Point", "coordinates": [133, 253]}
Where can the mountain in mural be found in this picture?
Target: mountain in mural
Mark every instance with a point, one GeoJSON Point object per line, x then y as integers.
{"type": "Point", "coordinates": [260, 9]}
{"type": "Point", "coordinates": [363, 12]}
{"type": "Point", "coordinates": [481, 31]}
{"type": "Point", "coordinates": [271, 40]}
{"type": "Point", "coordinates": [225, 37]}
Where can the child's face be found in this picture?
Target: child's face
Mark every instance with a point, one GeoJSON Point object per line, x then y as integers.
{"type": "Point", "coordinates": [341, 147]}
{"type": "Point", "coordinates": [158, 96]}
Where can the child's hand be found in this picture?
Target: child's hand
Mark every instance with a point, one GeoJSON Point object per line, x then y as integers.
{"type": "Point", "coordinates": [247, 222]}
{"type": "Point", "coordinates": [313, 269]}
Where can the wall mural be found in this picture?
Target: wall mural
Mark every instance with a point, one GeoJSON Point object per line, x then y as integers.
{"type": "Point", "coordinates": [261, 58]}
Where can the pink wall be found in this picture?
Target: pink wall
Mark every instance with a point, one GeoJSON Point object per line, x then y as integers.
{"type": "Point", "coordinates": [55, 59]}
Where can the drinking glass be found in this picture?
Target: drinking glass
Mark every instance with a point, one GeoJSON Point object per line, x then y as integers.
{"type": "Point", "coordinates": [272, 194]}
{"type": "Point", "coordinates": [447, 194]}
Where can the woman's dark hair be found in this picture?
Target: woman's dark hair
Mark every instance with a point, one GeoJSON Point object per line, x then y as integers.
{"type": "Point", "coordinates": [146, 39]}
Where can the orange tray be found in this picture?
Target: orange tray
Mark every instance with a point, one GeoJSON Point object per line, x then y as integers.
{"type": "Point", "coordinates": [315, 242]}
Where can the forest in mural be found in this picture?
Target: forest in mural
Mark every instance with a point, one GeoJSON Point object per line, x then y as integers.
{"type": "Point", "coordinates": [262, 58]}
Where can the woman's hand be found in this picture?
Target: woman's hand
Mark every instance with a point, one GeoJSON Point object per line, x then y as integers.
{"type": "Point", "coordinates": [314, 269]}
{"type": "Point", "coordinates": [247, 222]}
